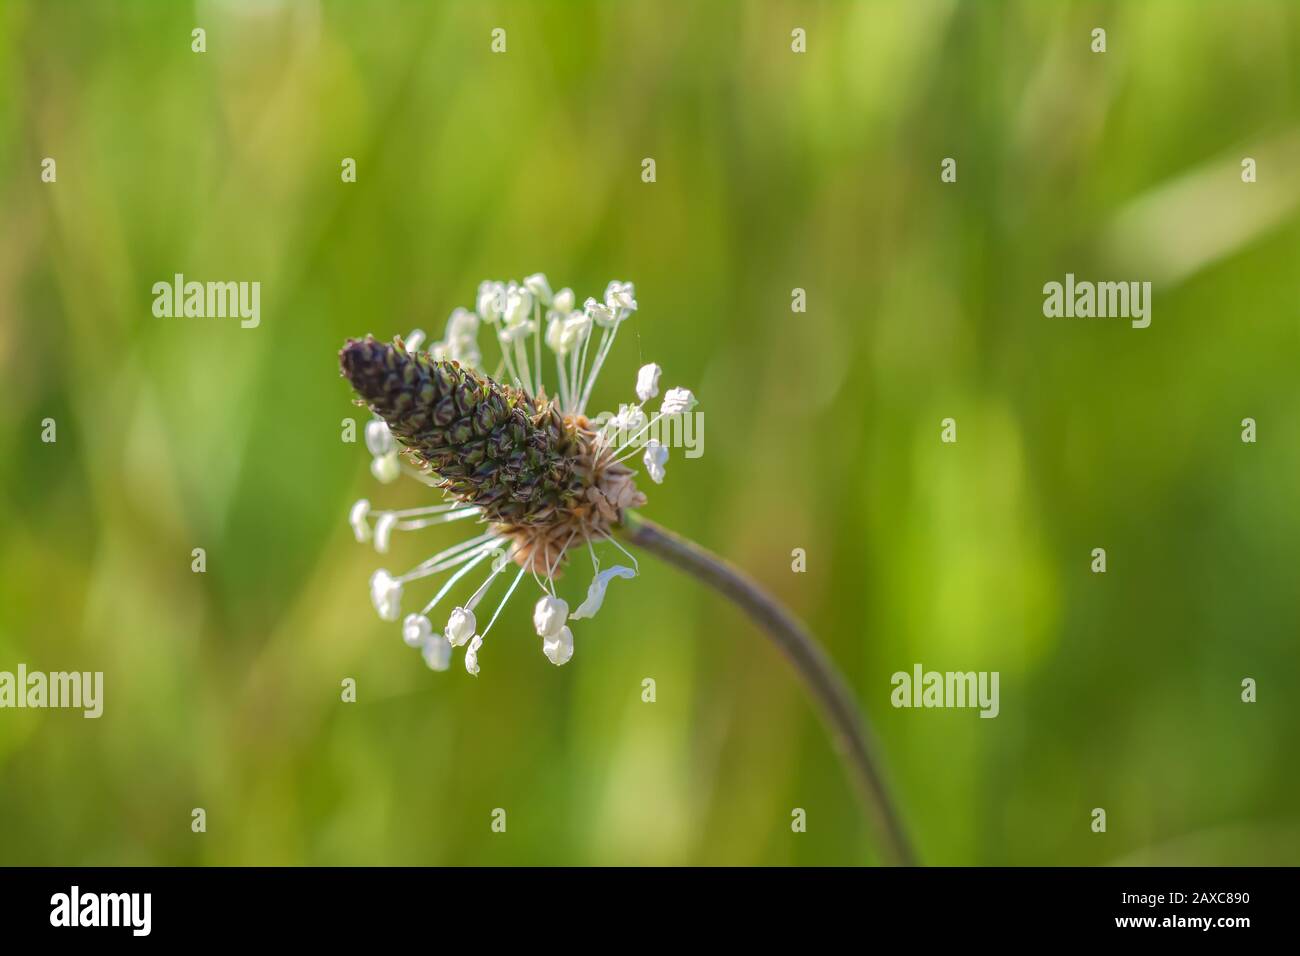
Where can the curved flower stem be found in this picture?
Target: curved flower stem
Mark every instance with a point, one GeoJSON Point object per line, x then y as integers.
{"type": "Point", "coordinates": [847, 725]}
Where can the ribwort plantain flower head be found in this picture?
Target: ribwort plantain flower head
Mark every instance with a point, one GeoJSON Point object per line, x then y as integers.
{"type": "Point", "coordinates": [540, 478]}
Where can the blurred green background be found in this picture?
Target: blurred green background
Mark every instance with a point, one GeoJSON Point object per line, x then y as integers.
{"type": "Point", "coordinates": [774, 171]}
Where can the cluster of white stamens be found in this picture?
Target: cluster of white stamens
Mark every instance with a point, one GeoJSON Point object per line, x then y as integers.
{"type": "Point", "coordinates": [515, 312]}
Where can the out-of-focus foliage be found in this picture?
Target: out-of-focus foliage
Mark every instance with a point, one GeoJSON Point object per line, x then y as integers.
{"type": "Point", "coordinates": [775, 170]}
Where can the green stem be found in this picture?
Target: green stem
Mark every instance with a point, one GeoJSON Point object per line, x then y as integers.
{"type": "Point", "coordinates": [847, 725]}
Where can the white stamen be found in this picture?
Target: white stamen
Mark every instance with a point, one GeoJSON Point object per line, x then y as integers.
{"type": "Point", "coordinates": [495, 614]}
{"type": "Point", "coordinates": [600, 313]}
{"type": "Point", "coordinates": [549, 615]}
{"type": "Point", "coordinates": [656, 456]}
{"type": "Point", "coordinates": [620, 296]}
{"type": "Point", "coordinates": [498, 565]}
{"type": "Point", "coordinates": [416, 629]}
{"type": "Point", "coordinates": [357, 517]}
{"type": "Point", "coordinates": [552, 565]}
{"type": "Point", "coordinates": [647, 381]}
{"type": "Point", "coordinates": [429, 510]}
{"type": "Point", "coordinates": [629, 555]}
{"type": "Point", "coordinates": [437, 653]}
{"type": "Point", "coordinates": [558, 647]}
{"type": "Point", "coordinates": [628, 443]}
{"type": "Point", "coordinates": [386, 468]}
{"type": "Point", "coordinates": [537, 338]}
{"type": "Point", "coordinates": [581, 372]}
{"type": "Point", "coordinates": [519, 302]}
{"type": "Point", "coordinates": [460, 626]}
{"type": "Point", "coordinates": [451, 582]}
{"type": "Point", "coordinates": [386, 595]}
{"type": "Point", "coordinates": [439, 519]}
{"type": "Point", "coordinates": [606, 343]}
{"type": "Point", "coordinates": [465, 546]}
{"type": "Point", "coordinates": [596, 591]}
{"type": "Point", "coordinates": [677, 401]}
{"type": "Point", "coordinates": [539, 287]}
{"type": "Point", "coordinates": [471, 655]}
{"type": "Point", "coordinates": [379, 440]}
{"type": "Point", "coordinates": [383, 531]}
{"type": "Point", "coordinates": [419, 476]}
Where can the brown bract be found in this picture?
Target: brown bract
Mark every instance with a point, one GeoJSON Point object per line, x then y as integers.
{"type": "Point", "coordinates": [608, 489]}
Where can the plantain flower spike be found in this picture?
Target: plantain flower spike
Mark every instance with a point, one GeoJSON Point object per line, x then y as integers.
{"type": "Point", "coordinates": [539, 479]}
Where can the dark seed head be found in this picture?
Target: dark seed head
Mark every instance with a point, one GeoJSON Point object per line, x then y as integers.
{"type": "Point", "coordinates": [493, 445]}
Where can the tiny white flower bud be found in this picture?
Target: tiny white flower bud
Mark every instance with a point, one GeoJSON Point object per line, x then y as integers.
{"type": "Point", "coordinates": [519, 306]}
{"type": "Point", "coordinates": [384, 531]}
{"type": "Point", "coordinates": [460, 627]}
{"type": "Point", "coordinates": [414, 340]}
{"type": "Point", "coordinates": [549, 615]}
{"type": "Point", "coordinates": [538, 286]}
{"type": "Point", "coordinates": [491, 300]}
{"type": "Point", "coordinates": [357, 517]}
{"type": "Point", "coordinates": [465, 351]}
{"type": "Point", "coordinates": [647, 381]}
{"type": "Point", "coordinates": [513, 333]}
{"type": "Point", "coordinates": [576, 327]}
{"type": "Point", "coordinates": [555, 338]}
{"type": "Point", "coordinates": [564, 301]}
{"type": "Point", "coordinates": [471, 655]}
{"type": "Point", "coordinates": [437, 653]}
{"type": "Point", "coordinates": [677, 400]}
{"type": "Point", "coordinates": [416, 629]}
{"type": "Point", "coordinates": [602, 315]}
{"type": "Point", "coordinates": [619, 296]}
{"type": "Point", "coordinates": [656, 456]}
{"type": "Point", "coordinates": [460, 340]}
{"type": "Point", "coordinates": [386, 595]}
{"type": "Point", "coordinates": [461, 324]}
{"type": "Point", "coordinates": [629, 420]}
{"type": "Point", "coordinates": [379, 440]}
{"type": "Point", "coordinates": [386, 468]}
